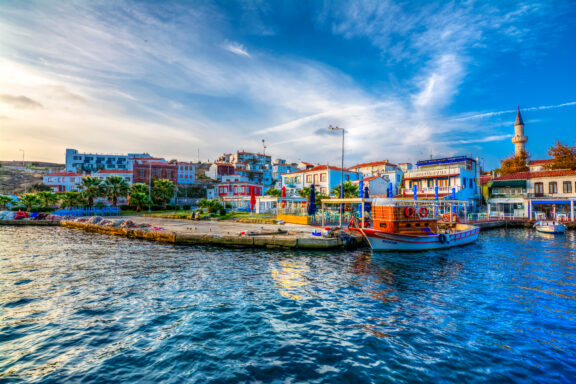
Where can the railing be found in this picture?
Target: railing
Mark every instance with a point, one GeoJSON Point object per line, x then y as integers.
{"type": "Point", "coordinates": [437, 172]}
{"type": "Point", "coordinates": [408, 191]}
{"type": "Point", "coordinates": [88, 211]}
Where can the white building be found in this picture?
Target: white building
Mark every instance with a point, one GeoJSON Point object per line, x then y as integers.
{"type": "Point", "coordinates": [324, 177]}
{"type": "Point", "coordinates": [377, 185]}
{"type": "Point", "coordinates": [63, 181]}
{"type": "Point", "coordinates": [77, 162]}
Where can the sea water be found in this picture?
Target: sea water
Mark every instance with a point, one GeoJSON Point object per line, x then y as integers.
{"type": "Point", "coordinates": [78, 307]}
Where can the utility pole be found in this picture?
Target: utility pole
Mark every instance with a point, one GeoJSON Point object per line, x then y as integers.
{"type": "Point", "coordinates": [149, 186]}
{"type": "Point", "coordinates": [22, 157]}
{"type": "Point", "coordinates": [264, 146]}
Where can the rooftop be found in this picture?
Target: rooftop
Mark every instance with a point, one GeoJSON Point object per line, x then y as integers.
{"type": "Point", "coordinates": [533, 175]}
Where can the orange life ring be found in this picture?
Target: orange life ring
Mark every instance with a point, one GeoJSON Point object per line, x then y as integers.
{"type": "Point", "coordinates": [446, 217]}
{"type": "Point", "coordinates": [409, 212]}
{"type": "Point", "coordinates": [423, 212]}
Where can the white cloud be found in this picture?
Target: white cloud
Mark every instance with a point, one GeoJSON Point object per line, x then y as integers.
{"type": "Point", "coordinates": [236, 48]}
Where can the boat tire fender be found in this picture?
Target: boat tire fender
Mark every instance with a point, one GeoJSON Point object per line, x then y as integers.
{"type": "Point", "coordinates": [409, 212]}
{"type": "Point", "coordinates": [423, 212]}
{"type": "Point", "coordinates": [442, 238]}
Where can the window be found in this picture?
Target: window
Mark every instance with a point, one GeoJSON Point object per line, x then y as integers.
{"type": "Point", "coordinates": [322, 177]}
{"type": "Point", "coordinates": [464, 182]}
{"type": "Point", "coordinates": [471, 184]}
{"type": "Point", "coordinates": [567, 187]}
{"type": "Point", "coordinates": [539, 189]}
{"type": "Point", "coordinates": [552, 187]}
{"type": "Point", "coordinates": [308, 178]}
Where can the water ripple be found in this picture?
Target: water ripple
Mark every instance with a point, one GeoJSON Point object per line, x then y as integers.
{"type": "Point", "coordinates": [88, 308]}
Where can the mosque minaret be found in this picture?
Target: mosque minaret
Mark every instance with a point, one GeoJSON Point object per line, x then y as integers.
{"type": "Point", "coordinates": [519, 139]}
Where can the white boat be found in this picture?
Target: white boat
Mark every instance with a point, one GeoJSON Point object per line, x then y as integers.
{"type": "Point", "coordinates": [415, 225]}
{"type": "Point", "coordinates": [549, 226]}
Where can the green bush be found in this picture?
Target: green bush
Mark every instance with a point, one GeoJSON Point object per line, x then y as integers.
{"type": "Point", "coordinates": [41, 209]}
{"type": "Point", "coordinates": [222, 211]}
{"type": "Point", "coordinates": [186, 207]}
{"type": "Point", "coordinates": [124, 207]}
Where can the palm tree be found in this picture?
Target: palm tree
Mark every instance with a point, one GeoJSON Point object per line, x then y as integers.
{"type": "Point", "coordinates": [70, 199]}
{"type": "Point", "coordinates": [115, 187]}
{"type": "Point", "coordinates": [274, 192]}
{"type": "Point", "coordinates": [139, 187]}
{"type": "Point", "coordinates": [350, 190]}
{"type": "Point", "coordinates": [5, 200]}
{"type": "Point", "coordinates": [29, 200]}
{"type": "Point", "coordinates": [163, 191]}
{"type": "Point", "coordinates": [47, 198]}
{"type": "Point", "coordinates": [92, 188]}
{"type": "Point", "coordinates": [304, 192]}
{"type": "Point", "coordinates": [139, 199]}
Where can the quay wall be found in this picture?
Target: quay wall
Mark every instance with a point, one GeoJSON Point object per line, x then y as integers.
{"type": "Point", "coordinates": [215, 239]}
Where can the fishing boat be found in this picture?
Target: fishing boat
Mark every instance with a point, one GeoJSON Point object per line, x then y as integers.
{"type": "Point", "coordinates": [549, 226]}
{"type": "Point", "coordinates": [412, 225]}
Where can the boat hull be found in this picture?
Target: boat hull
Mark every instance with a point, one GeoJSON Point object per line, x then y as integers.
{"type": "Point", "coordinates": [386, 241]}
{"type": "Point", "coordinates": [551, 229]}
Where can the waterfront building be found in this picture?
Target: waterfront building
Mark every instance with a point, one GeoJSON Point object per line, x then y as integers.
{"type": "Point", "coordinates": [234, 177]}
{"type": "Point", "coordinates": [377, 185]}
{"type": "Point", "coordinates": [91, 162]}
{"type": "Point", "coordinates": [238, 189]}
{"type": "Point", "coordinates": [146, 169]}
{"type": "Point", "coordinates": [104, 174]}
{"type": "Point", "coordinates": [63, 181]}
{"type": "Point", "coordinates": [537, 195]}
{"type": "Point", "coordinates": [303, 165]}
{"type": "Point", "coordinates": [519, 139]}
{"type": "Point", "coordinates": [186, 173]}
{"type": "Point", "coordinates": [280, 167]}
{"type": "Point", "coordinates": [538, 165]}
{"type": "Point", "coordinates": [375, 168]}
{"type": "Point", "coordinates": [453, 176]}
{"type": "Point", "coordinates": [219, 169]}
{"type": "Point", "coordinates": [324, 177]}
{"type": "Point", "coordinates": [405, 167]}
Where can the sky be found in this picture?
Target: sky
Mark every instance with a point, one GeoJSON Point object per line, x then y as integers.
{"type": "Point", "coordinates": [407, 80]}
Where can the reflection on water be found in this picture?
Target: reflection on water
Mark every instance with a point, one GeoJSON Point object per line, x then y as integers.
{"type": "Point", "coordinates": [290, 276]}
{"type": "Point", "coordinates": [78, 307]}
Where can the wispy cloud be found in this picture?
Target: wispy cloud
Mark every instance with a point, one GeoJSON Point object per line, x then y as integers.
{"type": "Point", "coordinates": [22, 102]}
{"type": "Point", "coordinates": [498, 113]}
{"type": "Point", "coordinates": [236, 48]}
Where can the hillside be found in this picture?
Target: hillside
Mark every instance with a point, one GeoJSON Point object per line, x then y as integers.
{"type": "Point", "coordinates": [15, 179]}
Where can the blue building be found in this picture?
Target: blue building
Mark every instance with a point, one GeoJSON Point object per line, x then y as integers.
{"type": "Point", "coordinates": [89, 162]}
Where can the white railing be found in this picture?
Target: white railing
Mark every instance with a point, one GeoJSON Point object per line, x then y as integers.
{"type": "Point", "coordinates": [408, 191]}
{"type": "Point", "coordinates": [436, 172]}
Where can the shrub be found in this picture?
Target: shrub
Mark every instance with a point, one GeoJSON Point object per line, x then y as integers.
{"type": "Point", "coordinates": [222, 211]}
{"type": "Point", "coordinates": [186, 207]}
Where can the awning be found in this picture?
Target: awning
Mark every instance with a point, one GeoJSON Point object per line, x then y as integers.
{"type": "Point", "coordinates": [507, 183]}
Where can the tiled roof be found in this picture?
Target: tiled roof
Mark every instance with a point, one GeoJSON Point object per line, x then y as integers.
{"type": "Point", "coordinates": [540, 162]}
{"type": "Point", "coordinates": [374, 163]}
{"type": "Point", "coordinates": [64, 174]}
{"type": "Point", "coordinates": [485, 178]}
{"type": "Point", "coordinates": [539, 174]}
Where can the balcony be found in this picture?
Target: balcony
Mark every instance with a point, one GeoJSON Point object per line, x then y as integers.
{"type": "Point", "coordinates": [425, 191]}
{"type": "Point", "coordinates": [445, 172]}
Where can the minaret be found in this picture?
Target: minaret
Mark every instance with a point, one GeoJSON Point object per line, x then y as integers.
{"type": "Point", "coordinates": [519, 139]}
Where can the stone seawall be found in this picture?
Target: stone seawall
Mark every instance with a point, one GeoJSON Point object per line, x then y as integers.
{"type": "Point", "coordinates": [215, 239]}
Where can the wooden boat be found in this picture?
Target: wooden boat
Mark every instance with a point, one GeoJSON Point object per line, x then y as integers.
{"type": "Point", "coordinates": [409, 225]}
{"type": "Point", "coordinates": [549, 226]}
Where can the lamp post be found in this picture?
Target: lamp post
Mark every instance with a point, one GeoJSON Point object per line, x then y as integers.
{"type": "Point", "coordinates": [22, 157]}
{"type": "Point", "coordinates": [341, 169]}
{"type": "Point", "coordinates": [149, 186]}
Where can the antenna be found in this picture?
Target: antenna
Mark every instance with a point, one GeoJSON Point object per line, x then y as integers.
{"type": "Point", "coordinates": [264, 146]}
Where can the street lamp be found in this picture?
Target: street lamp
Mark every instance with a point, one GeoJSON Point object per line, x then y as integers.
{"type": "Point", "coordinates": [341, 169]}
{"type": "Point", "coordinates": [22, 156]}
{"type": "Point", "coordinates": [149, 186]}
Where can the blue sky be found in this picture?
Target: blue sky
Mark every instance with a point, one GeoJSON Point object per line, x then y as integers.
{"type": "Point", "coordinates": [408, 80]}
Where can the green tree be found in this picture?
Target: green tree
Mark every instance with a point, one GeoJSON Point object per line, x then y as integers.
{"type": "Point", "coordinates": [350, 190]}
{"type": "Point", "coordinates": [29, 200]}
{"type": "Point", "coordinates": [115, 187]}
{"type": "Point", "coordinates": [274, 192]}
{"type": "Point", "coordinates": [92, 188]}
{"type": "Point", "coordinates": [138, 199]}
{"type": "Point", "coordinates": [5, 200]}
{"type": "Point", "coordinates": [139, 187]}
{"type": "Point", "coordinates": [514, 164]}
{"type": "Point", "coordinates": [47, 198]}
{"type": "Point", "coordinates": [70, 199]}
{"type": "Point", "coordinates": [162, 191]}
{"type": "Point", "coordinates": [304, 192]}
{"type": "Point", "coordinates": [563, 156]}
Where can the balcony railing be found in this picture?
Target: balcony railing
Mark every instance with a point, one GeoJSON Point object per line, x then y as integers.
{"type": "Point", "coordinates": [432, 173]}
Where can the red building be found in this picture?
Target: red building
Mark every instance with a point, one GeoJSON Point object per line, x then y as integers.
{"type": "Point", "coordinates": [238, 188]}
{"type": "Point", "coordinates": [143, 170]}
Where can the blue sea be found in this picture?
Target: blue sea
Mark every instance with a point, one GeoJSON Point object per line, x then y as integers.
{"type": "Point", "coordinates": [77, 307]}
